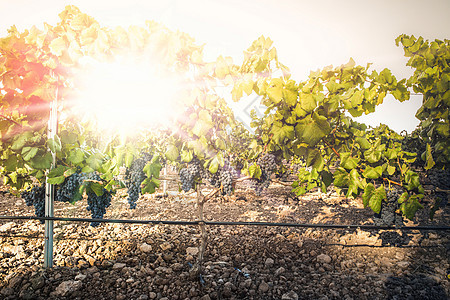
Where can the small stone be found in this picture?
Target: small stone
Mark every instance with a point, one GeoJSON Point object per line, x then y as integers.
{"type": "Point", "coordinates": [165, 246]}
{"type": "Point", "coordinates": [290, 296]}
{"type": "Point", "coordinates": [152, 295]}
{"type": "Point", "coordinates": [206, 297]}
{"type": "Point", "coordinates": [192, 251]}
{"type": "Point", "coordinates": [15, 281]}
{"type": "Point", "coordinates": [403, 264]}
{"type": "Point", "coordinates": [121, 297]}
{"type": "Point", "coordinates": [80, 277]}
{"type": "Point", "coordinates": [37, 282]}
{"type": "Point", "coordinates": [323, 258]}
{"type": "Point", "coordinates": [83, 264]}
{"type": "Point", "coordinates": [119, 266]}
{"type": "Point", "coordinates": [144, 247]}
{"type": "Point", "coordinates": [7, 291]}
{"type": "Point", "coordinates": [90, 259]}
{"type": "Point", "coordinates": [280, 271]}
{"type": "Point", "coordinates": [67, 287]}
{"type": "Point", "coordinates": [263, 287]}
{"type": "Point", "coordinates": [433, 236]}
{"type": "Point", "coordinates": [269, 262]}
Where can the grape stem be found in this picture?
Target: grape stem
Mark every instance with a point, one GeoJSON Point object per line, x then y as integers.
{"type": "Point", "coordinates": [393, 182]}
{"type": "Point", "coordinates": [10, 120]}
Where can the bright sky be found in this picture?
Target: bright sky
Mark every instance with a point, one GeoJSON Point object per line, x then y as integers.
{"type": "Point", "coordinates": [307, 34]}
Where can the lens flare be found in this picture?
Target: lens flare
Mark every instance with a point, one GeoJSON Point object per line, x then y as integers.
{"type": "Point", "coordinates": [126, 95]}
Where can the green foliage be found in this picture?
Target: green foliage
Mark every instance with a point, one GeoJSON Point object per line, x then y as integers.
{"type": "Point", "coordinates": [310, 120]}
{"type": "Point", "coordinates": [432, 79]}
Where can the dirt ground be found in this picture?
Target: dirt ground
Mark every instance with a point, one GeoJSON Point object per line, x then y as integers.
{"type": "Point", "coordinates": [123, 261]}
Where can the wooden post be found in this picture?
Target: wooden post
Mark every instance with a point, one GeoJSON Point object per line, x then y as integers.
{"type": "Point", "coordinates": [197, 269]}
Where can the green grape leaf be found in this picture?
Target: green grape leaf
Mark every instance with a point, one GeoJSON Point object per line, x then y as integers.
{"type": "Point", "coordinates": [373, 173]}
{"type": "Point", "coordinates": [41, 161]}
{"type": "Point", "coordinates": [152, 169]}
{"type": "Point", "coordinates": [372, 197]}
{"type": "Point", "coordinates": [340, 177]}
{"type": "Point", "coordinates": [95, 161]}
{"type": "Point", "coordinates": [409, 205]}
{"type": "Point", "coordinates": [220, 144]}
{"type": "Point", "coordinates": [429, 158]}
{"type": "Point", "coordinates": [76, 156]}
{"type": "Point", "coordinates": [280, 133]}
{"type": "Point", "coordinates": [69, 172]}
{"type": "Point", "coordinates": [255, 171]}
{"type": "Point", "coordinates": [129, 157]}
{"type": "Point", "coordinates": [215, 163]}
{"type": "Point", "coordinates": [20, 140]}
{"type": "Point", "coordinates": [347, 161]}
{"type": "Point", "coordinates": [275, 90]}
{"type": "Point", "coordinates": [58, 171]}
{"type": "Point", "coordinates": [373, 155]}
{"type": "Point", "coordinates": [149, 186]}
{"type": "Point", "coordinates": [308, 102]}
{"type": "Point", "coordinates": [412, 180]}
{"type": "Point", "coordinates": [29, 152]}
{"type": "Point", "coordinates": [54, 144]}
{"type": "Point", "coordinates": [313, 128]}
{"type": "Point", "coordinates": [368, 191]}
{"type": "Point", "coordinates": [67, 137]}
{"type": "Point", "coordinates": [186, 156]}
{"type": "Point", "coordinates": [391, 170]}
{"type": "Point", "coordinates": [202, 127]}
{"type": "Point", "coordinates": [314, 159]}
{"type": "Point", "coordinates": [56, 180]}
{"type": "Point", "coordinates": [363, 142]}
{"type": "Point", "coordinates": [172, 153]}
{"type": "Point", "coordinates": [97, 188]}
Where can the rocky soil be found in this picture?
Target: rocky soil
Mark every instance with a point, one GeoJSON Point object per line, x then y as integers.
{"type": "Point", "coordinates": [123, 261]}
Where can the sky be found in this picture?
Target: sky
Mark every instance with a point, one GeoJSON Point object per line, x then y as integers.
{"type": "Point", "coordinates": [308, 35]}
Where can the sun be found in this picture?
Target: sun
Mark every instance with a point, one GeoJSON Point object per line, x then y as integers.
{"type": "Point", "coordinates": [126, 95]}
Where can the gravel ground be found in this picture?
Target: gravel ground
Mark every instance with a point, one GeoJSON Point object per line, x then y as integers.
{"type": "Point", "coordinates": [123, 261]}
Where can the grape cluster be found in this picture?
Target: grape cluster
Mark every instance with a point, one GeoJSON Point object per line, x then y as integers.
{"type": "Point", "coordinates": [268, 165]}
{"type": "Point", "coordinates": [440, 179]}
{"type": "Point", "coordinates": [187, 180]}
{"type": "Point", "coordinates": [135, 176]}
{"type": "Point", "coordinates": [36, 197]}
{"type": "Point", "coordinates": [190, 173]}
{"type": "Point", "coordinates": [223, 178]}
{"type": "Point", "coordinates": [69, 187]}
{"type": "Point", "coordinates": [97, 205]}
{"type": "Point", "coordinates": [235, 172]}
{"type": "Point", "coordinates": [387, 215]}
{"type": "Point", "coordinates": [226, 179]}
{"type": "Point", "coordinates": [289, 168]}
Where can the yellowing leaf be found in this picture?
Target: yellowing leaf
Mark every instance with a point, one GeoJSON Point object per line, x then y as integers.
{"type": "Point", "coordinates": [58, 45]}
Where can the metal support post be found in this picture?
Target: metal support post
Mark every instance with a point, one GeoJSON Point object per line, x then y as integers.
{"type": "Point", "coordinates": [50, 189]}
